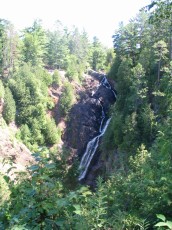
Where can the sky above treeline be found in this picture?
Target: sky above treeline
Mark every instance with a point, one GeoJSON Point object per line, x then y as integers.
{"type": "Point", "coordinates": [98, 17]}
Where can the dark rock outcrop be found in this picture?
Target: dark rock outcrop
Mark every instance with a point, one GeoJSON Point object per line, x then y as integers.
{"type": "Point", "coordinates": [83, 124]}
{"type": "Point", "coordinates": [85, 116]}
{"type": "Point", "coordinates": [105, 96]}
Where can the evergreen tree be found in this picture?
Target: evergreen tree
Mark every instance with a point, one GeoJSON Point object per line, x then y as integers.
{"type": "Point", "coordinates": [57, 78]}
{"type": "Point", "coordinates": [9, 48]}
{"type": "Point", "coordinates": [161, 13]}
{"type": "Point", "coordinates": [98, 55]}
{"type": "Point", "coordinates": [34, 43]}
{"type": "Point", "coordinates": [51, 132]}
{"type": "Point", "coordinates": [67, 98]}
{"type": "Point", "coordinates": [25, 135]}
{"type": "Point", "coordinates": [57, 47]}
{"type": "Point", "coordinates": [9, 109]}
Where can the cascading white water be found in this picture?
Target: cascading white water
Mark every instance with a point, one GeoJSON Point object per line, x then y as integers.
{"type": "Point", "coordinates": [93, 144]}
{"type": "Point", "coordinates": [90, 151]}
{"type": "Point", "coordinates": [103, 117]}
{"type": "Point", "coordinates": [106, 84]}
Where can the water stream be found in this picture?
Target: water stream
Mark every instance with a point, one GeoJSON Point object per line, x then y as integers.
{"type": "Point", "coordinates": [94, 143]}
{"type": "Point", "coordinates": [90, 152]}
{"type": "Point", "coordinates": [106, 84]}
{"type": "Point", "coordinates": [103, 118]}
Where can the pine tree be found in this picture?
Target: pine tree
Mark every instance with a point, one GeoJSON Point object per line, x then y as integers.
{"type": "Point", "coordinates": [34, 44]}
{"type": "Point", "coordinates": [67, 98]}
{"type": "Point", "coordinates": [9, 110]}
{"type": "Point", "coordinates": [98, 55]}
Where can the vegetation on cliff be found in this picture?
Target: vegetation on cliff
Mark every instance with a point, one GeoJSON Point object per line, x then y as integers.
{"type": "Point", "coordinates": [136, 148]}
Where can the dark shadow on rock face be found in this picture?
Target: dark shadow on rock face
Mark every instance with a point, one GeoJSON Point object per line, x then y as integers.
{"type": "Point", "coordinates": [83, 124]}
{"type": "Point", "coordinates": [105, 96]}
{"type": "Point", "coordinates": [85, 117]}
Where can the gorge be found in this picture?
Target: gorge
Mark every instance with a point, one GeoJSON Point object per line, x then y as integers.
{"type": "Point", "coordinates": [74, 154]}
{"type": "Point", "coordinates": [88, 122]}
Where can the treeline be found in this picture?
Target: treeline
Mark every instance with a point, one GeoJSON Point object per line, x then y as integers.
{"type": "Point", "coordinates": [60, 48]}
{"type": "Point", "coordinates": [136, 187]}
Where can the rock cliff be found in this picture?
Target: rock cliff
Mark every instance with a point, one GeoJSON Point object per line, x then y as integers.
{"type": "Point", "coordinates": [85, 116]}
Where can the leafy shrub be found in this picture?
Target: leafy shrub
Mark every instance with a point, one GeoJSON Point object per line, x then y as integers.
{"type": "Point", "coordinates": [163, 223]}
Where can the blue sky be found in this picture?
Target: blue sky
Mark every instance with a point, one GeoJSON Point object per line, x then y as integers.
{"type": "Point", "coordinates": [98, 17]}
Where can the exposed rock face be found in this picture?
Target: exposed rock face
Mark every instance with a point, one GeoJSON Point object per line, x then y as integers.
{"type": "Point", "coordinates": [13, 152]}
{"type": "Point", "coordinates": [105, 96]}
{"type": "Point", "coordinates": [85, 116]}
{"type": "Point", "coordinates": [84, 124]}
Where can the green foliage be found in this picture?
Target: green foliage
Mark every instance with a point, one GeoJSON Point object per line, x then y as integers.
{"type": "Point", "coordinates": [161, 10]}
{"type": "Point", "coordinates": [25, 135]}
{"type": "Point", "coordinates": [2, 90]}
{"type": "Point", "coordinates": [3, 124]}
{"type": "Point", "coordinates": [136, 147]}
{"type": "Point", "coordinates": [137, 144]}
{"type": "Point", "coordinates": [163, 223]}
{"type": "Point", "coordinates": [32, 197]}
{"type": "Point", "coordinates": [67, 98]}
{"type": "Point", "coordinates": [80, 48]}
{"type": "Point", "coordinates": [72, 70]}
{"type": "Point", "coordinates": [160, 50]}
{"type": "Point", "coordinates": [51, 132]}
{"type": "Point", "coordinates": [4, 190]}
{"type": "Point", "coordinates": [9, 48]}
{"type": "Point", "coordinates": [57, 78]}
{"type": "Point", "coordinates": [9, 108]}
{"type": "Point", "coordinates": [98, 55]}
{"type": "Point", "coordinates": [57, 47]}
{"type": "Point", "coordinates": [30, 90]}
{"type": "Point", "coordinates": [40, 132]}
{"type": "Point", "coordinates": [38, 199]}
{"type": "Point", "coordinates": [34, 41]}
{"type": "Point", "coordinates": [110, 57]}
{"type": "Point", "coordinates": [43, 76]}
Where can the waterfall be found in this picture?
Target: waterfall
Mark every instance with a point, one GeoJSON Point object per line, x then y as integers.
{"type": "Point", "coordinates": [90, 151]}
{"type": "Point", "coordinates": [106, 84]}
{"type": "Point", "coordinates": [93, 144]}
{"type": "Point", "coordinates": [103, 117]}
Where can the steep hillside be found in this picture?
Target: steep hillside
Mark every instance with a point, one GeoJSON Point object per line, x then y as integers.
{"type": "Point", "coordinates": [12, 152]}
